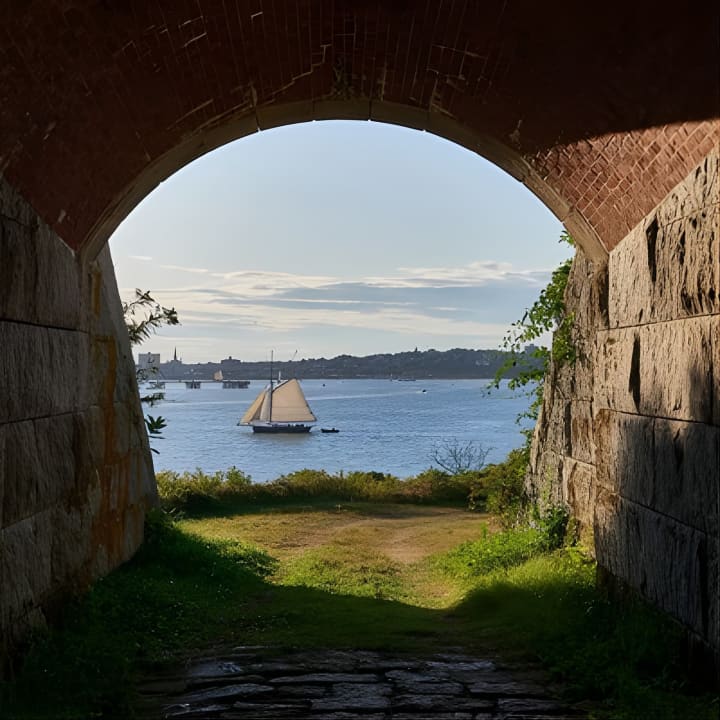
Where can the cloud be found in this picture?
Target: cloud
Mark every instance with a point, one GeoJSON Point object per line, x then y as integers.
{"type": "Point", "coordinates": [477, 301]}
{"type": "Point", "coordinates": [142, 258]}
{"type": "Point", "coordinates": [180, 268]}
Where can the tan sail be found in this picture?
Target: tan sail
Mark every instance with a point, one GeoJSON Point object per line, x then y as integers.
{"type": "Point", "coordinates": [253, 412]}
{"type": "Point", "coordinates": [289, 404]}
{"type": "Point", "coordinates": [217, 376]}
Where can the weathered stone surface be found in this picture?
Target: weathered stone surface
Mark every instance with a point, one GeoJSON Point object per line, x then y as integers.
{"type": "Point", "coordinates": [25, 575]}
{"type": "Point", "coordinates": [527, 707]}
{"type": "Point", "coordinates": [674, 558]}
{"type": "Point", "coordinates": [39, 469]}
{"type": "Point", "coordinates": [581, 440]}
{"type": "Point", "coordinates": [578, 489]}
{"type": "Point", "coordinates": [312, 678]}
{"type": "Point", "coordinates": [353, 696]}
{"type": "Point", "coordinates": [661, 370]}
{"type": "Point", "coordinates": [625, 450]}
{"type": "Point", "coordinates": [668, 266]}
{"type": "Point", "coordinates": [441, 686]}
{"type": "Point", "coordinates": [505, 688]}
{"type": "Point", "coordinates": [686, 474]}
{"type": "Point", "coordinates": [698, 191]}
{"type": "Point", "coordinates": [655, 408]}
{"type": "Point", "coordinates": [32, 257]}
{"type": "Point", "coordinates": [40, 371]}
{"type": "Point", "coordinates": [225, 692]}
{"type": "Point", "coordinates": [715, 343]}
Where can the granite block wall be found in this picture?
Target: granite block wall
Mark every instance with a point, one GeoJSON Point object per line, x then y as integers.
{"type": "Point", "coordinates": [76, 474]}
{"type": "Point", "coordinates": [629, 436]}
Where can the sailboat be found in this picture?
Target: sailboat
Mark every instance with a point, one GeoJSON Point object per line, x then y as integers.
{"type": "Point", "coordinates": [280, 408]}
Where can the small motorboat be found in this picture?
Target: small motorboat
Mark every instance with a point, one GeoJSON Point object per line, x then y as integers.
{"type": "Point", "coordinates": [329, 430]}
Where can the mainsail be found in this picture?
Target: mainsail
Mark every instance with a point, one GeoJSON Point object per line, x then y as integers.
{"type": "Point", "coordinates": [284, 403]}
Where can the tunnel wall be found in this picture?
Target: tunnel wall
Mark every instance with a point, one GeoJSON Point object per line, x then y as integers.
{"type": "Point", "coordinates": [629, 435]}
{"type": "Point", "coordinates": [76, 473]}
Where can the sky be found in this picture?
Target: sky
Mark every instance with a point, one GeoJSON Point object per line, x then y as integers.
{"type": "Point", "coordinates": [336, 237]}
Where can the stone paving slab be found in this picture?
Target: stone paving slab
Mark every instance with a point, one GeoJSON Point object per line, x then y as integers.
{"type": "Point", "coordinates": [265, 683]}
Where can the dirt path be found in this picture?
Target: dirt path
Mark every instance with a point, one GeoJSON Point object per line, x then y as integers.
{"type": "Point", "coordinates": [406, 534]}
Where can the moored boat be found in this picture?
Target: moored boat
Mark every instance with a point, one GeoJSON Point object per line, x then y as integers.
{"type": "Point", "coordinates": [280, 408]}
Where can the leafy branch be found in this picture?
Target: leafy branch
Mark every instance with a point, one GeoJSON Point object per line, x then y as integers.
{"type": "Point", "coordinates": [155, 316]}
{"type": "Point", "coordinates": [143, 316]}
{"type": "Point", "coordinates": [547, 314]}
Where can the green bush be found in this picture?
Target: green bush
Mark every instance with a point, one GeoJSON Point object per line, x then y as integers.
{"type": "Point", "coordinates": [494, 551]}
{"type": "Point", "coordinates": [499, 489]}
{"type": "Point", "coordinates": [496, 488]}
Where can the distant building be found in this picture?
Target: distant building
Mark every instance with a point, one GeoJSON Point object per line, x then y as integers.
{"type": "Point", "coordinates": [149, 361]}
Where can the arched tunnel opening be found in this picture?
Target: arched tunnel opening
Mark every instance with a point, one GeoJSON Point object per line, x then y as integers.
{"type": "Point", "coordinates": [102, 103]}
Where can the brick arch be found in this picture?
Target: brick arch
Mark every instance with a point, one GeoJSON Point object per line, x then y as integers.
{"type": "Point", "coordinates": [207, 140]}
{"type": "Point", "coordinates": [601, 117]}
{"type": "Point", "coordinates": [610, 117]}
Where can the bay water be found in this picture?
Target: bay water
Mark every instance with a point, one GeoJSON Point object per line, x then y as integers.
{"type": "Point", "coordinates": [386, 426]}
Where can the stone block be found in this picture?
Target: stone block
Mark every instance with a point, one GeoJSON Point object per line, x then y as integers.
{"type": "Point", "coordinates": [676, 370]}
{"type": "Point", "coordinates": [662, 370]}
{"type": "Point", "coordinates": [624, 452]}
{"type": "Point", "coordinates": [615, 370]}
{"type": "Point", "coordinates": [669, 466]}
{"type": "Point", "coordinates": [666, 271]}
{"type": "Point", "coordinates": [697, 279]}
{"type": "Point", "coordinates": [686, 481]}
{"type": "Point", "coordinates": [544, 479]}
{"type": "Point", "coordinates": [125, 422]}
{"type": "Point", "coordinates": [40, 276]}
{"type": "Point", "coordinates": [25, 574]}
{"type": "Point", "coordinates": [72, 545]}
{"type": "Point", "coordinates": [43, 371]}
{"type": "Point", "coordinates": [715, 350]}
{"type": "Point", "coordinates": [14, 207]}
{"type": "Point", "coordinates": [39, 466]}
{"type": "Point", "coordinates": [579, 490]}
{"type": "Point", "coordinates": [629, 284]}
{"type": "Point", "coordinates": [699, 190]}
{"type": "Point", "coordinates": [668, 562]}
{"type": "Point", "coordinates": [59, 274]}
{"type": "Point", "coordinates": [581, 436]}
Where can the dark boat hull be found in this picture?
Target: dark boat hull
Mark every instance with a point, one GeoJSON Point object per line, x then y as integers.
{"type": "Point", "coordinates": [284, 429]}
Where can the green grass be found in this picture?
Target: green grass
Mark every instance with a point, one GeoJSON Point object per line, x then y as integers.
{"type": "Point", "coordinates": [180, 594]}
{"type": "Point", "coordinates": [623, 658]}
{"type": "Point", "coordinates": [198, 585]}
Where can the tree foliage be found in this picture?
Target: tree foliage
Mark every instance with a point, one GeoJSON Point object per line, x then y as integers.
{"type": "Point", "coordinates": [143, 316]}
{"type": "Point", "coordinates": [547, 314]}
{"type": "Point", "coordinates": [152, 315]}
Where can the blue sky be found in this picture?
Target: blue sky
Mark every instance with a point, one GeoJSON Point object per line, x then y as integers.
{"type": "Point", "coordinates": [337, 237]}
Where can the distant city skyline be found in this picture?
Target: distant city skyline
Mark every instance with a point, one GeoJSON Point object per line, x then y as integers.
{"type": "Point", "coordinates": [336, 237]}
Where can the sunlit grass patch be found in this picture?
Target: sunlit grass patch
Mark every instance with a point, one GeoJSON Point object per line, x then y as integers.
{"type": "Point", "coordinates": [348, 570]}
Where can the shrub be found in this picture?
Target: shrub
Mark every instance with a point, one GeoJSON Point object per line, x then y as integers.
{"type": "Point", "coordinates": [499, 489]}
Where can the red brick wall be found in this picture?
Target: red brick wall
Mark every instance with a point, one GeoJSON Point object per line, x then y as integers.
{"type": "Point", "coordinates": [610, 111]}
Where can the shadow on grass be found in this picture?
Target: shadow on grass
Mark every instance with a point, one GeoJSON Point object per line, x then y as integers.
{"type": "Point", "coordinates": [185, 596]}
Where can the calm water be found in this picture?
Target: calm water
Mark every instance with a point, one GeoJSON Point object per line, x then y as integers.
{"type": "Point", "coordinates": [386, 426]}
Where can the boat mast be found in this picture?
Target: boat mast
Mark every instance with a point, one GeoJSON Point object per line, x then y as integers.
{"type": "Point", "coordinates": [271, 387]}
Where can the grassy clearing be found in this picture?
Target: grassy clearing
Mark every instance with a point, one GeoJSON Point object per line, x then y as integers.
{"type": "Point", "coordinates": [359, 575]}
